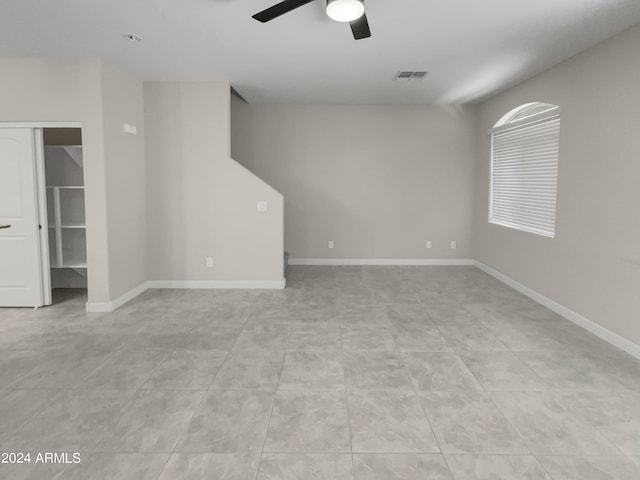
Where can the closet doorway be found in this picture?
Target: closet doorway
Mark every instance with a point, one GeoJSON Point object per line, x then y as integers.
{"type": "Point", "coordinates": [67, 239]}
{"type": "Point", "coordinates": [42, 215]}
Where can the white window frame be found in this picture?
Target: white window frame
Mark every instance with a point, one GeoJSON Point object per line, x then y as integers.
{"type": "Point", "coordinates": [522, 122]}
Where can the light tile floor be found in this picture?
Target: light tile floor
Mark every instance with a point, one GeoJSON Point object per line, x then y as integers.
{"type": "Point", "coordinates": [351, 373]}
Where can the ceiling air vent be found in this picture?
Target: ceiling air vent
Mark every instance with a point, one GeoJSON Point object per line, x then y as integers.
{"type": "Point", "coordinates": [407, 76]}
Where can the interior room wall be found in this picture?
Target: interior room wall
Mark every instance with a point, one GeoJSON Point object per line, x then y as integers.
{"type": "Point", "coordinates": [55, 90]}
{"type": "Point", "coordinates": [201, 203]}
{"type": "Point", "coordinates": [379, 181]}
{"type": "Point", "coordinates": [125, 172]}
{"type": "Point", "coordinates": [592, 266]}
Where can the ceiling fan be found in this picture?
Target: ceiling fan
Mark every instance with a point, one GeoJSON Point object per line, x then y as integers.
{"type": "Point", "coordinates": [347, 11]}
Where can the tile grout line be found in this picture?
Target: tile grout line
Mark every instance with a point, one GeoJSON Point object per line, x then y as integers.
{"type": "Point", "coordinates": [229, 350]}
{"type": "Point", "coordinates": [165, 357]}
{"type": "Point", "coordinates": [490, 398]}
{"type": "Point", "coordinates": [187, 424]}
{"type": "Point", "coordinates": [204, 395]}
{"type": "Point", "coordinates": [417, 394]}
{"type": "Point", "coordinates": [164, 465]}
{"type": "Point", "coordinates": [273, 404]}
{"type": "Point", "coordinates": [417, 397]}
{"type": "Point", "coordinates": [346, 399]}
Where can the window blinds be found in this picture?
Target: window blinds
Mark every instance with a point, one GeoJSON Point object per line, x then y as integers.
{"type": "Point", "coordinates": [524, 176]}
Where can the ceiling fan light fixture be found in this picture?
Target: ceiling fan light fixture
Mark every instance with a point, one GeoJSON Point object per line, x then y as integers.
{"type": "Point", "coordinates": [345, 10]}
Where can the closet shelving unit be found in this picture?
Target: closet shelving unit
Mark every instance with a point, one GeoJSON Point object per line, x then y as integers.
{"type": "Point", "coordinates": [65, 204]}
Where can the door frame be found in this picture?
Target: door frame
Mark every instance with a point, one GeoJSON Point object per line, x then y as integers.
{"type": "Point", "coordinates": [43, 221]}
{"type": "Point", "coordinates": [41, 201]}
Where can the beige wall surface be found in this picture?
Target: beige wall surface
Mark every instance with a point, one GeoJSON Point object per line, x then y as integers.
{"type": "Point", "coordinates": [202, 203]}
{"type": "Point", "coordinates": [125, 171]}
{"type": "Point", "coordinates": [593, 264]}
{"type": "Point", "coordinates": [377, 180]}
{"type": "Point", "coordinates": [44, 90]}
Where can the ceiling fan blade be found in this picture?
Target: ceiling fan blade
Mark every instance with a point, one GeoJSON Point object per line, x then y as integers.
{"type": "Point", "coordinates": [279, 9]}
{"type": "Point", "coordinates": [360, 28]}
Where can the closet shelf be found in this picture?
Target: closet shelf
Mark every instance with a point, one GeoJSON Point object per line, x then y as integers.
{"type": "Point", "coordinates": [65, 207]}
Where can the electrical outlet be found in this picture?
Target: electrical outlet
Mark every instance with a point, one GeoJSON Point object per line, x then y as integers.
{"type": "Point", "coordinates": [453, 244]}
{"type": "Point", "coordinates": [428, 244]}
{"type": "Point", "coordinates": [209, 262]}
{"type": "Point", "coordinates": [331, 244]}
{"type": "Point", "coordinates": [261, 206]}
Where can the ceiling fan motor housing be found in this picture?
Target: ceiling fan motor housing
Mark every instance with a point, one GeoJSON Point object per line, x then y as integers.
{"type": "Point", "coordinates": [345, 10]}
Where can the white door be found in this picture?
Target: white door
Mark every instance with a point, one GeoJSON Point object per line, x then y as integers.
{"type": "Point", "coordinates": [20, 255]}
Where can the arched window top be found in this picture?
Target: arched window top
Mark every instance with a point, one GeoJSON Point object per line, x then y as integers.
{"type": "Point", "coordinates": [526, 114]}
{"type": "Point", "coordinates": [527, 111]}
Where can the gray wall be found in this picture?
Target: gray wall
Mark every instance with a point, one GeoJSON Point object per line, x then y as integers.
{"type": "Point", "coordinates": [74, 90]}
{"type": "Point", "coordinates": [201, 202]}
{"type": "Point", "coordinates": [125, 173]}
{"type": "Point", "coordinates": [593, 264]}
{"type": "Point", "coordinates": [377, 180]}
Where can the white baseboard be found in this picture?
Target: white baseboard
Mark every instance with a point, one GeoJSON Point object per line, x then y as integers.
{"type": "Point", "coordinates": [589, 325]}
{"type": "Point", "coordinates": [380, 261]}
{"type": "Point", "coordinates": [102, 307]}
{"type": "Point", "coordinates": [219, 284]}
{"type": "Point", "coordinates": [105, 307]}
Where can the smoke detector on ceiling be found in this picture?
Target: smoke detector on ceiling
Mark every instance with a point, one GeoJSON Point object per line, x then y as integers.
{"type": "Point", "coordinates": [132, 37]}
{"type": "Point", "coordinates": [410, 75]}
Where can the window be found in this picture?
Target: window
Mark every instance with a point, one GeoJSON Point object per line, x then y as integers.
{"type": "Point", "coordinates": [524, 169]}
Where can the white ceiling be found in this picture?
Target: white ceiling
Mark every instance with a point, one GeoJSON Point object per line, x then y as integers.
{"type": "Point", "coordinates": [473, 49]}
